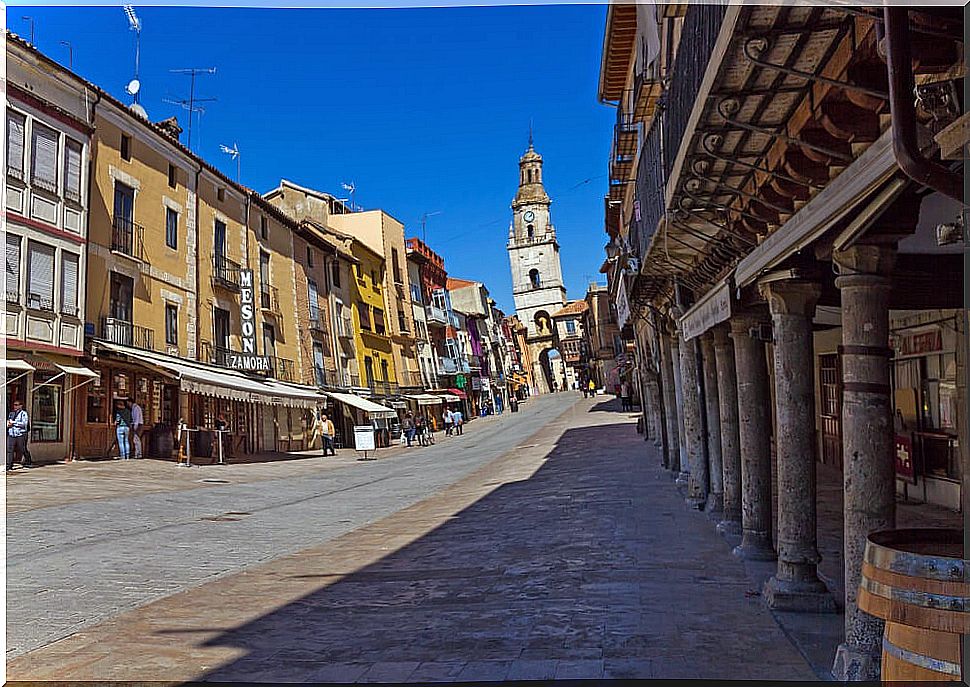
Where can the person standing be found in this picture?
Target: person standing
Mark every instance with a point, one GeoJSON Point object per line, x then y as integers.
{"type": "Point", "coordinates": [625, 396]}
{"type": "Point", "coordinates": [420, 428]}
{"type": "Point", "coordinates": [18, 423]}
{"type": "Point", "coordinates": [513, 404]}
{"type": "Point", "coordinates": [122, 422]}
{"type": "Point", "coordinates": [408, 427]}
{"type": "Point", "coordinates": [327, 431]}
{"type": "Point", "coordinates": [137, 426]}
{"type": "Point", "coordinates": [591, 385]}
{"type": "Point", "coordinates": [449, 419]}
{"type": "Point", "coordinates": [459, 421]}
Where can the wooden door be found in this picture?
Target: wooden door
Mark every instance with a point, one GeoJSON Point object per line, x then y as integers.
{"type": "Point", "coordinates": [830, 378]}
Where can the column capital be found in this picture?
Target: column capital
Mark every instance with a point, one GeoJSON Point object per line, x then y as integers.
{"type": "Point", "coordinates": [721, 334]}
{"type": "Point", "coordinates": [791, 296]}
{"type": "Point", "coordinates": [866, 259]}
{"type": "Point", "coordinates": [742, 322]}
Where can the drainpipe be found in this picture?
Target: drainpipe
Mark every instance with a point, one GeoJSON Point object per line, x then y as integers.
{"type": "Point", "coordinates": [905, 144]}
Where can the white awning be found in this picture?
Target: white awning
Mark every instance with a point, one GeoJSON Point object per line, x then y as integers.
{"type": "Point", "coordinates": [397, 404]}
{"type": "Point", "coordinates": [375, 410]}
{"type": "Point", "coordinates": [78, 370]}
{"type": "Point", "coordinates": [297, 394]}
{"type": "Point", "coordinates": [17, 364]}
{"type": "Point", "coordinates": [425, 399]}
{"type": "Point", "coordinates": [448, 398]}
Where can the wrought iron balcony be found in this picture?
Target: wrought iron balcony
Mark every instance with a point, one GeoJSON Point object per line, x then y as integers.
{"type": "Point", "coordinates": [13, 297]}
{"type": "Point", "coordinates": [269, 299]}
{"type": "Point", "coordinates": [36, 301]}
{"type": "Point", "coordinates": [225, 272]}
{"type": "Point", "coordinates": [281, 369]}
{"type": "Point", "coordinates": [318, 323]}
{"type": "Point", "coordinates": [384, 388]}
{"type": "Point", "coordinates": [213, 355]}
{"type": "Point", "coordinates": [128, 238]}
{"type": "Point", "coordinates": [345, 327]}
{"type": "Point", "coordinates": [436, 315]}
{"type": "Point", "coordinates": [351, 379]}
{"type": "Point", "coordinates": [126, 333]}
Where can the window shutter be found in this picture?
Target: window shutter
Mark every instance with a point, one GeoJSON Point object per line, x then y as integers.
{"type": "Point", "coordinates": [69, 270]}
{"type": "Point", "coordinates": [72, 170]}
{"type": "Point", "coordinates": [40, 287]}
{"type": "Point", "coordinates": [314, 305]}
{"type": "Point", "coordinates": [318, 356]}
{"type": "Point", "coordinates": [15, 144]}
{"type": "Point", "coordinates": [13, 267]}
{"type": "Point", "coordinates": [45, 157]}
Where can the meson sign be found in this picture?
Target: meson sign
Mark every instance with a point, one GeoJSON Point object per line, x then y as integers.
{"type": "Point", "coordinates": [248, 360]}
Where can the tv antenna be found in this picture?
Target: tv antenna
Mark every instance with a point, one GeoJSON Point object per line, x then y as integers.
{"type": "Point", "coordinates": [70, 54]}
{"type": "Point", "coordinates": [134, 24]}
{"type": "Point", "coordinates": [30, 20]}
{"type": "Point", "coordinates": [233, 154]}
{"type": "Point", "coordinates": [352, 187]}
{"type": "Point", "coordinates": [424, 223]}
{"type": "Point", "coordinates": [190, 104]}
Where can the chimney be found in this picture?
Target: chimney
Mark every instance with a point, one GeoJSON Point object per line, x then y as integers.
{"type": "Point", "coordinates": [171, 127]}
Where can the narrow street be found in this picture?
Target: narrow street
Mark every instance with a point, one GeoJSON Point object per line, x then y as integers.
{"type": "Point", "coordinates": [546, 544]}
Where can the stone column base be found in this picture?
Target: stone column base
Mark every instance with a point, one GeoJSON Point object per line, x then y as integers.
{"type": "Point", "coordinates": [729, 528]}
{"type": "Point", "coordinates": [854, 664]}
{"type": "Point", "coordinates": [799, 597]}
{"type": "Point", "coordinates": [715, 506]}
{"type": "Point", "coordinates": [755, 547]}
{"type": "Point", "coordinates": [683, 478]}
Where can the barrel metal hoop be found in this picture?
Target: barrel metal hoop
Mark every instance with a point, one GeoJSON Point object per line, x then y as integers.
{"type": "Point", "coordinates": [958, 604]}
{"type": "Point", "coordinates": [858, 349]}
{"type": "Point", "coordinates": [916, 565]}
{"type": "Point", "coordinates": [936, 665]}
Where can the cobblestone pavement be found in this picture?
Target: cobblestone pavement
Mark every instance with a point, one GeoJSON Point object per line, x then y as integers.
{"type": "Point", "coordinates": [569, 556]}
{"type": "Point", "coordinates": [82, 561]}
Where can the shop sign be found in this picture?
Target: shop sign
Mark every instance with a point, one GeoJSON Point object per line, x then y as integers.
{"type": "Point", "coordinates": [919, 343]}
{"type": "Point", "coordinates": [904, 458]}
{"type": "Point", "coordinates": [363, 437]}
{"type": "Point", "coordinates": [713, 308]}
{"type": "Point", "coordinates": [460, 381]}
{"type": "Point", "coordinates": [622, 304]}
{"type": "Point", "coordinates": [247, 360]}
{"type": "Point", "coordinates": [486, 386]}
{"type": "Point", "coordinates": [476, 383]}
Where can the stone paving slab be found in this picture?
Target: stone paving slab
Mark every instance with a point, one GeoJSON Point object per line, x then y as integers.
{"type": "Point", "coordinates": [570, 554]}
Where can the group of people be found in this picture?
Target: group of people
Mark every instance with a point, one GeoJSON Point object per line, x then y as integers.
{"type": "Point", "coordinates": [417, 427]}
{"type": "Point", "coordinates": [129, 422]}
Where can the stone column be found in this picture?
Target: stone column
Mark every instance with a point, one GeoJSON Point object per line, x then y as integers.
{"type": "Point", "coordinates": [672, 457]}
{"type": "Point", "coordinates": [683, 465]}
{"type": "Point", "coordinates": [693, 427]}
{"type": "Point", "coordinates": [754, 432]}
{"type": "Point", "coordinates": [727, 390]}
{"type": "Point", "coordinates": [869, 486]}
{"type": "Point", "coordinates": [653, 391]}
{"type": "Point", "coordinates": [795, 585]}
{"type": "Point", "coordinates": [715, 503]}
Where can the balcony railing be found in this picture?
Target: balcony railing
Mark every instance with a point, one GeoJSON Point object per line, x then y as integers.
{"type": "Point", "coordinates": [281, 369]}
{"type": "Point", "coordinates": [213, 355]}
{"type": "Point", "coordinates": [13, 296]}
{"type": "Point", "coordinates": [125, 333]}
{"type": "Point", "coordinates": [128, 238]}
{"type": "Point", "coordinates": [351, 379]}
{"type": "Point", "coordinates": [447, 365]}
{"type": "Point", "coordinates": [269, 299]}
{"type": "Point", "coordinates": [413, 379]}
{"type": "Point", "coordinates": [345, 327]}
{"type": "Point", "coordinates": [324, 377]}
{"type": "Point", "coordinates": [318, 322]}
{"type": "Point", "coordinates": [37, 301]}
{"type": "Point", "coordinates": [436, 315]}
{"type": "Point", "coordinates": [225, 272]}
{"type": "Point", "coordinates": [383, 388]}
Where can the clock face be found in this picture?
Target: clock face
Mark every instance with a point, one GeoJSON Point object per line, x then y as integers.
{"type": "Point", "coordinates": [529, 216]}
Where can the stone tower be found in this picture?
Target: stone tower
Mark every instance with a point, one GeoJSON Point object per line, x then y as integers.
{"type": "Point", "coordinates": [537, 285]}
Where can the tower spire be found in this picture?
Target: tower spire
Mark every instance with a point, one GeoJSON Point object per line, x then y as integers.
{"type": "Point", "coordinates": [530, 133]}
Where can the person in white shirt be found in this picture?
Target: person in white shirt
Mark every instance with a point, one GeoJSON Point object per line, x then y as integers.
{"type": "Point", "coordinates": [137, 422]}
{"type": "Point", "coordinates": [449, 420]}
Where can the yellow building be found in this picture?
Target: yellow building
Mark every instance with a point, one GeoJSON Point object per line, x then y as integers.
{"type": "Point", "coordinates": [375, 355]}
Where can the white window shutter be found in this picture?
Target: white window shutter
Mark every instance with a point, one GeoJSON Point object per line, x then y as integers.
{"type": "Point", "coordinates": [69, 271]}
{"type": "Point", "coordinates": [13, 266]}
{"type": "Point", "coordinates": [314, 304]}
{"type": "Point", "coordinates": [45, 157]}
{"type": "Point", "coordinates": [40, 284]}
{"type": "Point", "coordinates": [15, 143]}
{"type": "Point", "coordinates": [72, 170]}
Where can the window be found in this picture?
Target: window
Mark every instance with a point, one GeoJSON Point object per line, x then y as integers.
{"type": "Point", "coordinates": [534, 278]}
{"type": "Point", "coordinates": [318, 368]}
{"type": "Point", "coordinates": [69, 272]}
{"type": "Point", "coordinates": [363, 314]}
{"type": "Point", "coordinates": [44, 154]}
{"type": "Point", "coordinates": [171, 324]}
{"type": "Point", "coordinates": [416, 294]}
{"type": "Point", "coordinates": [570, 326]}
{"type": "Point", "coordinates": [269, 340]}
{"type": "Point", "coordinates": [171, 228]}
{"type": "Point", "coordinates": [221, 194]}
{"type": "Point", "coordinates": [220, 328]}
{"type": "Point", "coordinates": [72, 171]}
{"type": "Point", "coordinates": [396, 266]}
{"type": "Point", "coordinates": [531, 231]}
{"type": "Point", "coordinates": [360, 276]}
{"type": "Point", "coordinates": [219, 238]}
{"type": "Point", "coordinates": [40, 277]}
{"type": "Point", "coordinates": [16, 126]}
{"type": "Point", "coordinates": [335, 273]}
{"type": "Point", "coordinates": [13, 268]}
{"type": "Point", "coordinates": [97, 402]}
{"type": "Point", "coordinates": [379, 326]}
{"type": "Point", "coordinates": [309, 256]}
{"type": "Point", "coordinates": [172, 176]}
{"type": "Point", "coordinates": [45, 416]}
{"type": "Point", "coordinates": [125, 147]}
{"type": "Point", "coordinates": [314, 305]}
{"type": "Point", "coordinates": [263, 227]}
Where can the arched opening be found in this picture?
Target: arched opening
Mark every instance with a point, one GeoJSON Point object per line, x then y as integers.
{"type": "Point", "coordinates": [553, 369]}
{"type": "Point", "coordinates": [543, 323]}
{"type": "Point", "coordinates": [530, 176]}
{"type": "Point", "coordinates": [534, 279]}
{"type": "Point", "coordinates": [531, 231]}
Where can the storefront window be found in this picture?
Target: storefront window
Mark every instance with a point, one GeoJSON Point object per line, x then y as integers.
{"type": "Point", "coordinates": [97, 405]}
{"type": "Point", "coordinates": [45, 418]}
{"type": "Point", "coordinates": [121, 385]}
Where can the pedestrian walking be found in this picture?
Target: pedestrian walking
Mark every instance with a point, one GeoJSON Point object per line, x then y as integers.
{"type": "Point", "coordinates": [122, 422]}
{"type": "Point", "coordinates": [328, 432]}
{"type": "Point", "coordinates": [591, 386]}
{"type": "Point", "coordinates": [18, 424]}
{"type": "Point", "coordinates": [137, 426]}
{"type": "Point", "coordinates": [408, 427]}
{"type": "Point", "coordinates": [459, 421]}
{"type": "Point", "coordinates": [421, 428]}
{"type": "Point", "coordinates": [449, 419]}
{"type": "Point", "coordinates": [627, 404]}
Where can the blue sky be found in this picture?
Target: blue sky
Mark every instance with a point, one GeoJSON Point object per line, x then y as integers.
{"type": "Point", "coordinates": [425, 110]}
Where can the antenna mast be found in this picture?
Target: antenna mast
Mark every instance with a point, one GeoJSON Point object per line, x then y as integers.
{"type": "Point", "coordinates": [134, 23]}
{"type": "Point", "coordinates": [192, 71]}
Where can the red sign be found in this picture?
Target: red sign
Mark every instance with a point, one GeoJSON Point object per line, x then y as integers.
{"type": "Point", "coordinates": [920, 343]}
{"type": "Point", "coordinates": [904, 458]}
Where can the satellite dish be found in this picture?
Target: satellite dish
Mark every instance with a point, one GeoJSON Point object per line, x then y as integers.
{"type": "Point", "coordinates": [133, 87]}
{"type": "Point", "coordinates": [139, 110]}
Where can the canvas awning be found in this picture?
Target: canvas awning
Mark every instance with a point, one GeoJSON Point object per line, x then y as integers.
{"type": "Point", "coordinates": [374, 410]}
{"type": "Point", "coordinates": [78, 370]}
{"type": "Point", "coordinates": [398, 404]}
{"type": "Point", "coordinates": [18, 364]}
{"type": "Point", "coordinates": [458, 392]}
{"type": "Point", "coordinates": [425, 399]}
{"type": "Point", "coordinates": [448, 398]}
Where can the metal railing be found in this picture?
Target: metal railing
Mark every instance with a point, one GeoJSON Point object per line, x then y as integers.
{"type": "Point", "coordinates": [13, 297]}
{"type": "Point", "coordinates": [214, 355]}
{"type": "Point", "coordinates": [225, 272]}
{"type": "Point", "coordinates": [128, 238]}
{"type": "Point", "coordinates": [281, 369]}
{"type": "Point", "coordinates": [269, 298]}
{"type": "Point", "coordinates": [126, 333]}
{"type": "Point", "coordinates": [351, 379]}
{"type": "Point", "coordinates": [447, 365]}
{"type": "Point", "coordinates": [36, 301]}
{"type": "Point", "coordinates": [345, 327]}
{"type": "Point", "coordinates": [384, 388]}
{"type": "Point", "coordinates": [318, 322]}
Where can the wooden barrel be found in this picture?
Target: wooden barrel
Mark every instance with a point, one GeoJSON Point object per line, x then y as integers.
{"type": "Point", "coordinates": [919, 583]}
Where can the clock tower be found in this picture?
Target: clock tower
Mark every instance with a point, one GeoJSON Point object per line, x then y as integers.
{"type": "Point", "coordinates": [537, 286]}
